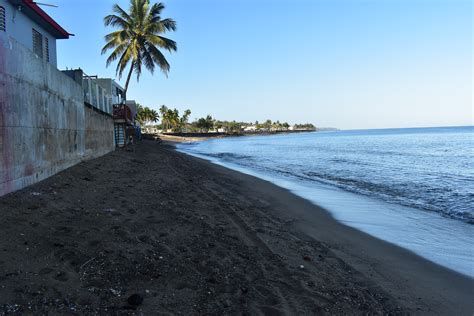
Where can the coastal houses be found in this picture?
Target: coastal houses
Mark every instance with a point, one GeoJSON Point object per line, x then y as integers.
{"type": "Point", "coordinates": [111, 91]}
{"type": "Point", "coordinates": [99, 93]}
{"type": "Point", "coordinates": [250, 128]}
{"type": "Point", "coordinates": [108, 97]}
{"type": "Point", "coordinates": [47, 121]}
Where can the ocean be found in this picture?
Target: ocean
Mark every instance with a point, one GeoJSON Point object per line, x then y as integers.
{"type": "Point", "coordinates": [413, 187]}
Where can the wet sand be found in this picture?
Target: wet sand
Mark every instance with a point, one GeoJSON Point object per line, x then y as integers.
{"type": "Point", "coordinates": [153, 230]}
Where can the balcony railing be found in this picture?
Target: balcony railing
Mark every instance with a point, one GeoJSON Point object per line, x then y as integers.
{"type": "Point", "coordinates": [95, 95]}
{"type": "Point", "coordinates": [122, 112]}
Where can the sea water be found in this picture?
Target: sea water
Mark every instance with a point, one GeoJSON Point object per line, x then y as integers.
{"type": "Point", "coordinates": [412, 187]}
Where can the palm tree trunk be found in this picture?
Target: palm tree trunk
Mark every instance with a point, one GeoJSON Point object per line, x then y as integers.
{"type": "Point", "coordinates": [128, 79]}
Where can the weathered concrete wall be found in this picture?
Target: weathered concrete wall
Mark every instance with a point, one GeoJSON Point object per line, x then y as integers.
{"type": "Point", "coordinates": [42, 119]}
{"type": "Point", "coordinates": [99, 133]}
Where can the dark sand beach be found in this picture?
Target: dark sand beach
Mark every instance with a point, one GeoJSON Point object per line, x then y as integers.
{"type": "Point", "coordinates": [154, 231]}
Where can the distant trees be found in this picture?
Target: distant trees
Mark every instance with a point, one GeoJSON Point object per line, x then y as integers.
{"type": "Point", "coordinates": [146, 116]}
{"type": "Point", "coordinates": [170, 119]}
{"type": "Point", "coordinates": [229, 127]}
{"type": "Point", "coordinates": [204, 124]}
{"type": "Point", "coordinates": [307, 126]}
{"type": "Point", "coordinates": [185, 119]}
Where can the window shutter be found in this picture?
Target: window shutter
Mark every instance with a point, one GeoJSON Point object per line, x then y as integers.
{"type": "Point", "coordinates": [46, 49]}
{"type": "Point", "coordinates": [37, 43]}
{"type": "Point", "coordinates": [3, 22]}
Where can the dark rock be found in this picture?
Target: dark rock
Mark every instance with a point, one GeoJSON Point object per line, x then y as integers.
{"type": "Point", "coordinates": [135, 300]}
{"type": "Point", "coordinates": [307, 258]}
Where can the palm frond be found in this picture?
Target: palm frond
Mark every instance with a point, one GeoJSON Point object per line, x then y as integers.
{"type": "Point", "coordinates": [116, 21]}
{"type": "Point", "coordinates": [139, 9]}
{"type": "Point", "coordinates": [138, 67]}
{"type": "Point", "coordinates": [167, 24]}
{"type": "Point", "coordinates": [162, 42]}
{"type": "Point", "coordinates": [117, 36]}
{"type": "Point", "coordinates": [155, 10]}
{"type": "Point", "coordinates": [147, 57]}
{"type": "Point", "coordinates": [121, 12]}
{"type": "Point", "coordinates": [120, 49]}
{"type": "Point", "coordinates": [123, 61]}
{"type": "Point", "coordinates": [159, 58]}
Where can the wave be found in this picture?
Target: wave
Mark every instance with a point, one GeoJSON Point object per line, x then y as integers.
{"type": "Point", "coordinates": [434, 201]}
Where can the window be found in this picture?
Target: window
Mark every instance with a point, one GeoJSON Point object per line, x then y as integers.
{"type": "Point", "coordinates": [46, 49]}
{"type": "Point", "coordinates": [3, 23]}
{"type": "Point", "coordinates": [37, 43]}
{"type": "Point", "coordinates": [40, 45]}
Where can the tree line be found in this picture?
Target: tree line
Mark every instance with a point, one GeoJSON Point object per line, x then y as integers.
{"type": "Point", "coordinates": [172, 121]}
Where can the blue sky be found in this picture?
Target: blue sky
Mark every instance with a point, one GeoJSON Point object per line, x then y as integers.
{"type": "Point", "coordinates": [339, 63]}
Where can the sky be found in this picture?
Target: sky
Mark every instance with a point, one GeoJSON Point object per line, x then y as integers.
{"type": "Point", "coordinates": [349, 64]}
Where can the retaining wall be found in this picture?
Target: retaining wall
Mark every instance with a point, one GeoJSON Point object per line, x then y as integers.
{"type": "Point", "coordinates": [44, 125]}
{"type": "Point", "coordinates": [99, 133]}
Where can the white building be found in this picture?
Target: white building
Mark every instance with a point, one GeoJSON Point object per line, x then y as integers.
{"type": "Point", "coordinates": [113, 89]}
{"type": "Point", "coordinates": [28, 24]}
{"type": "Point", "coordinates": [251, 128]}
{"type": "Point", "coordinates": [103, 93]}
{"type": "Point", "coordinates": [100, 93]}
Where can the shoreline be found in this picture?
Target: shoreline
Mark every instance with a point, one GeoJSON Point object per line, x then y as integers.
{"type": "Point", "coordinates": [432, 225]}
{"type": "Point", "coordinates": [238, 237]}
{"type": "Point", "coordinates": [387, 264]}
{"type": "Point", "coordinates": [198, 137]}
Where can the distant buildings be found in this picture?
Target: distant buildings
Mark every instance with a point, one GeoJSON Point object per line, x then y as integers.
{"type": "Point", "coordinates": [250, 128]}
{"type": "Point", "coordinates": [29, 25]}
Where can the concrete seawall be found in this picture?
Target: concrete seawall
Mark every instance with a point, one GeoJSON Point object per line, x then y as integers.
{"type": "Point", "coordinates": [99, 133]}
{"type": "Point", "coordinates": [44, 125]}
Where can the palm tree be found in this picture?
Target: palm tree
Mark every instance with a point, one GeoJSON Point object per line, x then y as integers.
{"type": "Point", "coordinates": [146, 116]}
{"type": "Point", "coordinates": [139, 116]}
{"type": "Point", "coordinates": [153, 117]}
{"type": "Point", "coordinates": [185, 119]}
{"type": "Point", "coordinates": [138, 41]}
{"type": "Point", "coordinates": [172, 117]}
{"type": "Point", "coordinates": [164, 119]}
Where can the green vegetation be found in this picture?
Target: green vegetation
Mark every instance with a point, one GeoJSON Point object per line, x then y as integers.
{"type": "Point", "coordinates": [138, 41]}
{"type": "Point", "coordinates": [170, 118]}
{"type": "Point", "coordinates": [304, 126]}
{"type": "Point", "coordinates": [146, 116]}
{"type": "Point", "coordinates": [172, 122]}
{"type": "Point", "coordinates": [204, 124]}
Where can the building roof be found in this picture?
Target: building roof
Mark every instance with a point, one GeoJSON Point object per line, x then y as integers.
{"type": "Point", "coordinates": [34, 12]}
